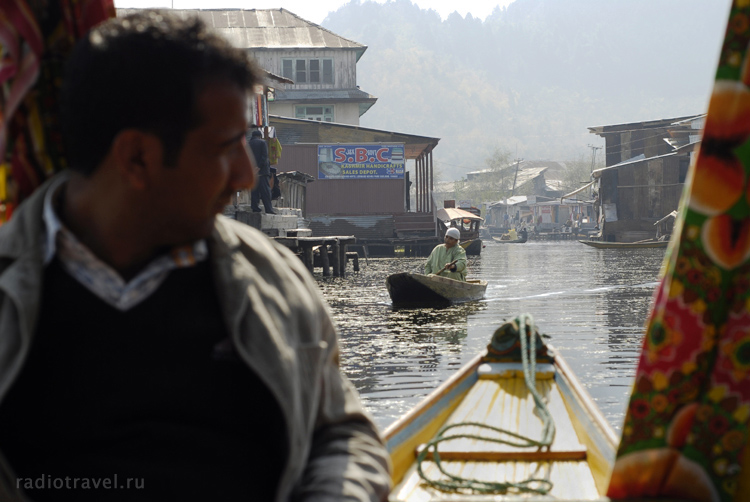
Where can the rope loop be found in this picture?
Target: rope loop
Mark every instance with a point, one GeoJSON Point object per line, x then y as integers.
{"type": "Point", "coordinates": [529, 336]}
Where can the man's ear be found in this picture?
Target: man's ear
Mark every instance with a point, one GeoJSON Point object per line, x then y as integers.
{"type": "Point", "coordinates": [136, 153]}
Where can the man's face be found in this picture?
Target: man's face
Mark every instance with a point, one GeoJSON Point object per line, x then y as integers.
{"type": "Point", "coordinates": [450, 242]}
{"type": "Point", "coordinates": [212, 165]}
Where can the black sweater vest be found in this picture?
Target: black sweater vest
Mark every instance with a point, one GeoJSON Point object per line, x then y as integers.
{"type": "Point", "coordinates": [154, 400]}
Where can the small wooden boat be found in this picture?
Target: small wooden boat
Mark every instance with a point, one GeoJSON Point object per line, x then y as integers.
{"type": "Point", "coordinates": [472, 247]}
{"type": "Point", "coordinates": [508, 241]}
{"type": "Point", "coordinates": [626, 245]}
{"type": "Point", "coordinates": [492, 392]}
{"type": "Point", "coordinates": [419, 289]}
{"type": "Point", "coordinates": [512, 237]}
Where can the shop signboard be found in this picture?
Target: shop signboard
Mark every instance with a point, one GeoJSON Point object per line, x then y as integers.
{"type": "Point", "coordinates": [360, 161]}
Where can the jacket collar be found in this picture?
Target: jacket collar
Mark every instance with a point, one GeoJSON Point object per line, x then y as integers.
{"type": "Point", "coordinates": [26, 226]}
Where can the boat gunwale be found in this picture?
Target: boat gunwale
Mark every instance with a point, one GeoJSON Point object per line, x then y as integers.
{"type": "Point", "coordinates": [578, 402]}
{"type": "Point", "coordinates": [625, 245]}
{"type": "Point", "coordinates": [433, 397]}
{"type": "Point", "coordinates": [585, 398]}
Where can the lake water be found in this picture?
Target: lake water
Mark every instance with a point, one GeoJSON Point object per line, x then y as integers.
{"type": "Point", "coordinates": [593, 303]}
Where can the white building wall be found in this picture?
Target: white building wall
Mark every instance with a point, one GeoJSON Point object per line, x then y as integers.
{"type": "Point", "coordinates": [343, 113]}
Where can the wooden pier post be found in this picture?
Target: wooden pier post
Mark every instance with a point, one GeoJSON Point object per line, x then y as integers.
{"type": "Point", "coordinates": [324, 259]}
{"type": "Point", "coordinates": [342, 258]}
{"type": "Point", "coordinates": [336, 259]}
{"type": "Point", "coordinates": [354, 256]}
{"type": "Point", "coordinates": [307, 253]}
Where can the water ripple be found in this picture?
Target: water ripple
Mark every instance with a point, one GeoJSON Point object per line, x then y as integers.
{"type": "Point", "coordinates": [593, 303]}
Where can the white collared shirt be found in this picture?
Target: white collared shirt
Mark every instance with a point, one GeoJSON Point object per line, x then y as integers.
{"type": "Point", "coordinates": [100, 278]}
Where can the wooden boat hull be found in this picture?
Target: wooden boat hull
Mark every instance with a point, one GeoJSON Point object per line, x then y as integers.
{"type": "Point", "coordinates": [626, 245]}
{"type": "Point", "coordinates": [473, 247]}
{"type": "Point", "coordinates": [419, 289]}
{"type": "Point", "coordinates": [516, 241]}
{"type": "Point", "coordinates": [579, 462]}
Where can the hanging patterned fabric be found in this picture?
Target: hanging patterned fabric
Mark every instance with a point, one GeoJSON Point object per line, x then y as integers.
{"type": "Point", "coordinates": [35, 38]}
{"type": "Point", "coordinates": [686, 427]}
{"type": "Point", "coordinates": [274, 150]}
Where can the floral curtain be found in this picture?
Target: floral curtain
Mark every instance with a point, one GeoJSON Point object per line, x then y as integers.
{"type": "Point", "coordinates": [35, 38]}
{"type": "Point", "coordinates": [686, 427]}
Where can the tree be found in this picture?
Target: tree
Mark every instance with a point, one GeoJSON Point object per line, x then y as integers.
{"type": "Point", "coordinates": [578, 172]}
{"type": "Point", "coordinates": [490, 185]}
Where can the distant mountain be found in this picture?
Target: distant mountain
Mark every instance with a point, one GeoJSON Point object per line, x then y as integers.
{"type": "Point", "coordinates": [532, 77]}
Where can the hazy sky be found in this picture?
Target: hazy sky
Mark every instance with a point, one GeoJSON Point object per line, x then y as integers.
{"type": "Point", "coordinates": [316, 11]}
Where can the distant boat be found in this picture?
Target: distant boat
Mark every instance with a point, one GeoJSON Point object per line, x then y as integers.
{"type": "Point", "coordinates": [626, 245]}
{"type": "Point", "coordinates": [512, 237]}
{"type": "Point", "coordinates": [463, 422]}
{"type": "Point", "coordinates": [508, 241]}
{"type": "Point", "coordinates": [467, 223]}
{"type": "Point", "coordinates": [419, 289]}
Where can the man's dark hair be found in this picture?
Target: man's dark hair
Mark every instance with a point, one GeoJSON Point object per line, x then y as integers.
{"type": "Point", "coordinates": [143, 71]}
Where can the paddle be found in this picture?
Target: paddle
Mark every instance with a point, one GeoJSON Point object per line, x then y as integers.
{"type": "Point", "coordinates": [447, 265]}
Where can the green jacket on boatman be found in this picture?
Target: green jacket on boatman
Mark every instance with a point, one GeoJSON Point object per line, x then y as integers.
{"type": "Point", "coordinates": [448, 259]}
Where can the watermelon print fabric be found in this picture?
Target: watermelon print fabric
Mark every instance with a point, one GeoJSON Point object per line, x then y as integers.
{"type": "Point", "coordinates": [686, 427]}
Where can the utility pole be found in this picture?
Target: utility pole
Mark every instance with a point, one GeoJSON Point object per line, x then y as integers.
{"type": "Point", "coordinates": [513, 190]}
{"type": "Point", "coordinates": [593, 155]}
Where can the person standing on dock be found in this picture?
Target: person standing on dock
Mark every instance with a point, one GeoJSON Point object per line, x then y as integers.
{"type": "Point", "coordinates": [151, 349]}
{"type": "Point", "coordinates": [448, 259]}
{"type": "Point", "coordinates": [262, 190]}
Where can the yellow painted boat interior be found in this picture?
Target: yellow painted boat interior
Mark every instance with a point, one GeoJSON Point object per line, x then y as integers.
{"type": "Point", "coordinates": [577, 473]}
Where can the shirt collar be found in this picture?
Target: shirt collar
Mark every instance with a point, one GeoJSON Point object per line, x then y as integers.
{"type": "Point", "coordinates": [183, 256]}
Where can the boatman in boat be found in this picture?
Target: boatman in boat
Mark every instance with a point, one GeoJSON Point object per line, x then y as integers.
{"type": "Point", "coordinates": [149, 348]}
{"type": "Point", "coordinates": [448, 259]}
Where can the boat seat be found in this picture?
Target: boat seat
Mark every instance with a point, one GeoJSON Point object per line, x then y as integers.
{"type": "Point", "coordinates": [500, 456]}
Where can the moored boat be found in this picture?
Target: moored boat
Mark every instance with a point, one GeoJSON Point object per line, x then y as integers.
{"type": "Point", "coordinates": [626, 245]}
{"type": "Point", "coordinates": [482, 428]}
{"type": "Point", "coordinates": [472, 247]}
{"type": "Point", "coordinates": [418, 289]}
{"type": "Point", "coordinates": [467, 223]}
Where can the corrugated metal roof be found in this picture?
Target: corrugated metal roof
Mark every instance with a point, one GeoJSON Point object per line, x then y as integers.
{"type": "Point", "coordinates": [300, 131]}
{"type": "Point", "coordinates": [266, 29]}
{"type": "Point", "coordinates": [640, 158]}
{"type": "Point", "coordinates": [638, 126]}
{"type": "Point", "coordinates": [528, 174]}
{"type": "Point", "coordinates": [324, 95]}
{"type": "Point", "coordinates": [277, 78]}
{"type": "Point", "coordinates": [511, 201]}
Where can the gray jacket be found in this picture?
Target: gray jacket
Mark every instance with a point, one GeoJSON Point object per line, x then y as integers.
{"type": "Point", "coordinates": [281, 328]}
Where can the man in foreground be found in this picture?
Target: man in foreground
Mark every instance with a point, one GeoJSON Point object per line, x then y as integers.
{"type": "Point", "coordinates": [150, 350]}
{"type": "Point", "coordinates": [448, 259]}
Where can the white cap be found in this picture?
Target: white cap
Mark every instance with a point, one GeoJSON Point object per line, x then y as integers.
{"type": "Point", "coordinates": [453, 232]}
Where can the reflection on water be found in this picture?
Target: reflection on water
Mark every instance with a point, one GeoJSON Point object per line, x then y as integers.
{"type": "Point", "coordinates": [592, 302]}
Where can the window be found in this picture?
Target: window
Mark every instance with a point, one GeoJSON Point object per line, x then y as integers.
{"type": "Point", "coordinates": [319, 113]}
{"type": "Point", "coordinates": [302, 71]}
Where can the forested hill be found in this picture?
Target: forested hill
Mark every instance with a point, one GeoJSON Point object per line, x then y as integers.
{"type": "Point", "coordinates": [531, 77]}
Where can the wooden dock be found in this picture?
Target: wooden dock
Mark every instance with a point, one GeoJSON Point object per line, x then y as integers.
{"type": "Point", "coordinates": [332, 249]}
